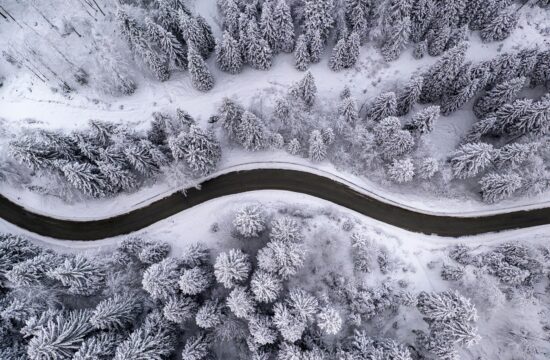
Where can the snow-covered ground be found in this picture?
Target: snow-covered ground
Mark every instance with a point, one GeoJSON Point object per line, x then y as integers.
{"type": "Point", "coordinates": [27, 102]}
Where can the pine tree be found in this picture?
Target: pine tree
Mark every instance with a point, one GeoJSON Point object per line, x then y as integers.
{"type": "Point", "coordinates": [154, 253]}
{"type": "Point", "coordinates": [85, 177]}
{"type": "Point", "coordinates": [348, 111]}
{"type": "Point", "coordinates": [470, 159]}
{"type": "Point", "coordinates": [422, 121]}
{"type": "Point", "coordinates": [422, 13]}
{"type": "Point", "coordinates": [82, 276]}
{"type": "Point", "coordinates": [397, 40]}
{"type": "Point", "coordinates": [357, 13]}
{"type": "Point", "coordinates": [535, 119]}
{"type": "Point", "coordinates": [61, 335]}
{"type": "Point", "coordinates": [140, 158]}
{"type": "Point", "coordinates": [258, 53]}
{"type": "Point", "coordinates": [251, 133]}
{"type": "Point", "coordinates": [231, 17]}
{"type": "Point", "coordinates": [482, 12]}
{"type": "Point", "coordinates": [293, 147]}
{"type": "Point", "coordinates": [102, 346]}
{"type": "Point", "coordinates": [267, 26]}
{"type": "Point", "coordinates": [197, 347]}
{"type": "Point", "coordinates": [428, 168]}
{"type": "Point", "coordinates": [31, 272]}
{"type": "Point", "coordinates": [316, 46]}
{"type": "Point", "coordinates": [201, 77]}
{"type": "Point", "coordinates": [284, 27]}
{"type": "Point", "coordinates": [228, 54]}
{"type": "Point", "coordinates": [353, 45]}
{"type": "Point", "coordinates": [179, 309]}
{"type": "Point", "coordinates": [512, 156]}
{"type": "Point", "coordinates": [401, 171]}
{"type": "Point", "coordinates": [303, 304]}
{"type": "Point", "coordinates": [154, 340]}
{"type": "Point", "coordinates": [209, 315]}
{"type": "Point", "coordinates": [441, 75]}
{"type": "Point", "coordinates": [249, 221]}
{"type": "Point", "coordinates": [114, 313]}
{"type": "Point", "coordinates": [301, 54]}
{"type": "Point", "coordinates": [282, 258]}
{"type": "Point", "coordinates": [317, 147]}
{"type": "Point", "coordinates": [266, 287]}
{"type": "Point", "coordinates": [420, 49]}
{"type": "Point", "coordinates": [199, 149]}
{"type": "Point", "coordinates": [409, 95]}
{"type": "Point", "coordinates": [262, 330]}
{"type": "Point", "coordinates": [330, 321]}
{"type": "Point", "coordinates": [231, 116]}
{"type": "Point", "coordinates": [231, 268]}
{"type": "Point", "coordinates": [496, 187]}
{"type": "Point", "coordinates": [209, 41]}
{"type": "Point", "coordinates": [194, 281]}
{"type": "Point", "coordinates": [498, 96]}
{"type": "Point", "coordinates": [161, 280]}
{"type": "Point", "coordinates": [337, 60]}
{"type": "Point", "coordinates": [168, 42]}
{"type": "Point", "coordinates": [452, 102]}
{"type": "Point", "coordinates": [317, 16]}
{"type": "Point", "coordinates": [241, 303]}
{"type": "Point", "coordinates": [501, 26]}
{"type": "Point", "coordinates": [289, 325]}
{"type": "Point", "coordinates": [384, 105]}
{"type": "Point", "coordinates": [305, 89]}
{"type": "Point", "coordinates": [193, 34]}
{"type": "Point", "coordinates": [438, 38]}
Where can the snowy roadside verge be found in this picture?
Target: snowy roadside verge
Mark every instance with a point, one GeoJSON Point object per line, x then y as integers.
{"type": "Point", "coordinates": [102, 209]}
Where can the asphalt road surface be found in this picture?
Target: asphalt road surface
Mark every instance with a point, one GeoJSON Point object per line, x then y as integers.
{"type": "Point", "coordinates": [269, 179]}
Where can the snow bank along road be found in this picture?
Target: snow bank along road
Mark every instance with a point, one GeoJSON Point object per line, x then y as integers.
{"type": "Point", "coordinates": [269, 179]}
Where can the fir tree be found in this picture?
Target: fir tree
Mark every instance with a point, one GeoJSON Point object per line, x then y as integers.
{"type": "Point", "coordinates": [241, 303]}
{"type": "Point", "coordinates": [337, 60]}
{"type": "Point", "coordinates": [401, 171]}
{"type": "Point", "coordinates": [154, 253]}
{"type": "Point", "coordinates": [262, 330]}
{"type": "Point", "coordinates": [496, 187]}
{"type": "Point", "coordinates": [317, 16]}
{"type": "Point", "coordinates": [114, 313]}
{"type": "Point", "coordinates": [201, 77]}
{"type": "Point", "coordinates": [422, 13]}
{"type": "Point", "coordinates": [231, 116]}
{"type": "Point", "coordinates": [251, 132]}
{"type": "Point", "coordinates": [301, 54]}
{"type": "Point", "coordinates": [348, 111]}
{"type": "Point", "coordinates": [420, 49]}
{"type": "Point", "coordinates": [196, 347]}
{"type": "Point", "coordinates": [249, 221]}
{"type": "Point", "coordinates": [317, 147]}
{"type": "Point", "coordinates": [258, 53]}
{"type": "Point", "coordinates": [470, 159]}
{"type": "Point", "coordinates": [266, 287]}
{"type": "Point", "coordinates": [498, 96]}
{"type": "Point", "coordinates": [282, 258]}
{"type": "Point", "coordinates": [329, 321]}
{"type": "Point", "coordinates": [397, 39]}
{"type": "Point", "coordinates": [289, 325]}
{"type": "Point", "coordinates": [161, 280]}
{"type": "Point", "coordinates": [409, 95]}
{"type": "Point", "coordinates": [528, 59]}
{"type": "Point", "coordinates": [440, 76]}
{"type": "Point", "coordinates": [231, 268]}
{"type": "Point", "coordinates": [501, 26]}
{"type": "Point", "coordinates": [452, 102]}
{"type": "Point", "coordinates": [31, 272]}
{"type": "Point", "coordinates": [437, 39]}
{"type": "Point", "coordinates": [357, 13]}
{"type": "Point", "coordinates": [384, 105]}
{"type": "Point", "coordinates": [194, 281]}
{"type": "Point", "coordinates": [61, 335]}
{"type": "Point", "coordinates": [305, 89]}
{"type": "Point", "coordinates": [541, 70]}
{"type": "Point", "coordinates": [509, 114]}
{"type": "Point", "coordinates": [82, 276]}
{"type": "Point", "coordinates": [98, 347]}
{"type": "Point", "coordinates": [293, 147]}
{"type": "Point", "coordinates": [209, 315]}
{"type": "Point", "coordinates": [209, 41]}
{"type": "Point", "coordinates": [199, 149]}
{"type": "Point", "coordinates": [353, 45]}
{"type": "Point", "coordinates": [85, 177]}
{"type": "Point", "coordinates": [316, 46]}
{"type": "Point", "coordinates": [169, 44]}
{"type": "Point", "coordinates": [267, 26]}
{"type": "Point", "coordinates": [284, 27]}
{"type": "Point", "coordinates": [231, 17]}
{"type": "Point", "coordinates": [428, 168]}
{"type": "Point", "coordinates": [513, 155]}
{"type": "Point", "coordinates": [422, 122]}
{"type": "Point", "coordinates": [179, 309]}
{"type": "Point", "coordinates": [193, 34]}
{"type": "Point", "coordinates": [228, 54]}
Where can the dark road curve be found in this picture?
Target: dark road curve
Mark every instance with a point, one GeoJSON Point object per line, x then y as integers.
{"type": "Point", "coordinates": [269, 179]}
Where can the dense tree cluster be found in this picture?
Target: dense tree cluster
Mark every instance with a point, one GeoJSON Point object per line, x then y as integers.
{"type": "Point", "coordinates": [107, 158]}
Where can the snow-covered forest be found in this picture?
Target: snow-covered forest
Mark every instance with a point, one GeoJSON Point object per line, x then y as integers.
{"type": "Point", "coordinates": [268, 291]}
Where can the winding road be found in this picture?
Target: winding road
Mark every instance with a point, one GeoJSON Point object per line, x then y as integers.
{"type": "Point", "coordinates": [269, 179]}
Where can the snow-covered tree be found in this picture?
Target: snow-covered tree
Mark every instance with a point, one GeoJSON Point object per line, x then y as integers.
{"type": "Point", "coordinates": [401, 171]}
{"type": "Point", "coordinates": [338, 58]}
{"type": "Point", "coordinates": [154, 253]}
{"type": "Point", "coordinates": [422, 12]}
{"type": "Point", "coordinates": [100, 346]}
{"type": "Point", "coordinates": [31, 272]}
{"type": "Point", "coordinates": [397, 39]}
{"type": "Point", "coordinates": [496, 187]}
{"type": "Point", "coordinates": [289, 325]}
{"type": "Point", "coordinates": [199, 149]}
{"type": "Point", "coordinates": [168, 43]}
{"type": "Point", "coordinates": [441, 75]}
{"type": "Point", "coordinates": [228, 54]}
{"type": "Point", "coordinates": [209, 315]}
{"type": "Point", "coordinates": [85, 177]}
{"type": "Point", "coordinates": [249, 221]}
{"type": "Point", "coordinates": [294, 146]}
{"type": "Point", "coordinates": [267, 26]}
{"type": "Point", "coordinates": [480, 129]}
{"type": "Point", "coordinates": [231, 113]}
{"type": "Point", "coordinates": [154, 340]}
{"type": "Point", "coordinates": [422, 122]}
{"type": "Point", "coordinates": [317, 147]}
{"type": "Point", "coordinates": [81, 275]}
{"type": "Point", "coordinates": [393, 141]}
{"type": "Point", "coordinates": [197, 347]}
{"type": "Point", "coordinates": [60, 336]}
{"type": "Point", "coordinates": [282, 258]}
{"type": "Point", "coordinates": [266, 287]}
{"type": "Point", "coordinates": [258, 53]}
{"type": "Point", "coordinates": [193, 34]}
{"type": "Point", "coordinates": [161, 280]}
{"type": "Point", "coordinates": [383, 106]}
{"type": "Point", "coordinates": [512, 156]}
{"type": "Point", "coordinates": [305, 89]}
{"type": "Point", "coordinates": [316, 46]}
{"type": "Point", "coordinates": [116, 312]}
{"type": "Point", "coordinates": [284, 27]}
{"type": "Point", "coordinates": [318, 16]}
{"type": "Point", "coordinates": [251, 133]}
{"type": "Point", "coordinates": [262, 330]}
{"type": "Point", "coordinates": [208, 36]}
{"type": "Point", "coordinates": [301, 54]}
{"type": "Point", "coordinates": [194, 255]}
{"type": "Point", "coordinates": [427, 168]}
{"type": "Point", "coordinates": [409, 95]}
{"type": "Point", "coordinates": [179, 309]}
{"type": "Point", "coordinates": [501, 26]}
{"type": "Point", "coordinates": [354, 48]}
{"type": "Point", "coordinates": [194, 281]}
{"type": "Point", "coordinates": [541, 70]}
{"type": "Point", "coordinates": [454, 101]}
{"type": "Point", "coordinates": [303, 304]}
{"type": "Point", "coordinates": [232, 267]}
{"type": "Point", "coordinates": [330, 321]}
{"type": "Point", "coordinates": [201, 77]}
{"type": "Point", "coordinates": [437, 39]}
{"type": "Point", "coordinates": [241, 303]}
{"type": "Point", "coordinates": [498, 96]}
{"type": "Point", "coordinates": [470, 159]}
